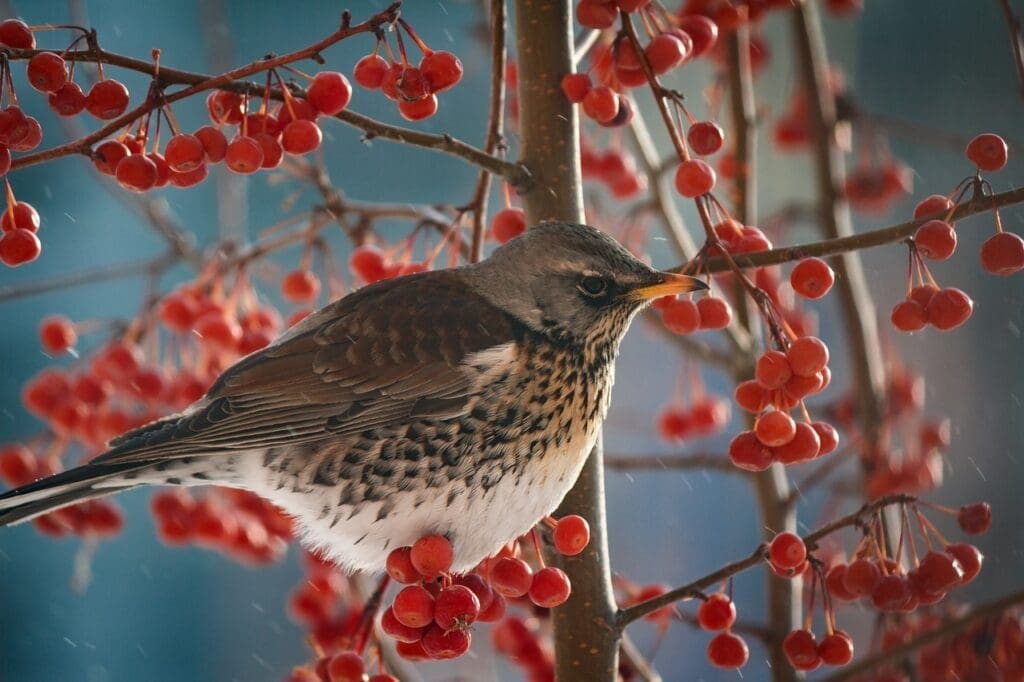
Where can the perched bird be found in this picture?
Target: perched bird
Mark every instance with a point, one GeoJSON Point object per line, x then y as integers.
{"type": "Point", "coordinates": [460, 402]}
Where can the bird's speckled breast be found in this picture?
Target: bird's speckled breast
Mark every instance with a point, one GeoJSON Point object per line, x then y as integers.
{"type": "Point", "coordinates": [482, 479]}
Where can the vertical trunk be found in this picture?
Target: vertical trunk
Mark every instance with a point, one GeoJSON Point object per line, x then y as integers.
{"type": "Point", "coordinates": [586, 641]}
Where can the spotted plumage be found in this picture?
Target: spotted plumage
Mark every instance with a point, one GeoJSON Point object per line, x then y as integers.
{"type": "Point", "coordinates": [460, 402]}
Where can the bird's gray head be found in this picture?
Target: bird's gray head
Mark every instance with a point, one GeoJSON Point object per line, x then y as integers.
{"type": "Point", "coordinates": [572, 281]}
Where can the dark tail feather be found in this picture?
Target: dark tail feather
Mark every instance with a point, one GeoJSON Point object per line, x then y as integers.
{"type": "Point", "coordinates": [60, 490]}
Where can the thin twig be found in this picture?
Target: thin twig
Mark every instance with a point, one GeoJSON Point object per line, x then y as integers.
{"type": "Point", "coordinates": [1016, 41]}
{"type": "Point", "coordinates": [103, 274]}
{"type": "Point", "coordinates": [622, 462]}
{"type": "Point", "coordinates": [632, 657]}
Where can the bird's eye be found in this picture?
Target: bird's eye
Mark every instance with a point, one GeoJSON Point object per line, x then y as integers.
{"type": "Point", "coordinates": [593, 286]}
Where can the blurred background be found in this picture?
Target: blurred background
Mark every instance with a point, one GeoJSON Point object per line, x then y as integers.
{"type": "Point", "coordinates": [157, 613]}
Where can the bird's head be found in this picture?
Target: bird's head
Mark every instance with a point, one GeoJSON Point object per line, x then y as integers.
{"type": "Point", "coordinates": [573, 282]}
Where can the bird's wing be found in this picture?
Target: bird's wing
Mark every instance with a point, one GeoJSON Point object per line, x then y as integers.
{"type": "Point", "coordinates": [387, 353]}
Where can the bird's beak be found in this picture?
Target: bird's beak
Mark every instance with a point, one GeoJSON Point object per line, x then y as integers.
{"type": "Point", "coordinates": [668, 284]}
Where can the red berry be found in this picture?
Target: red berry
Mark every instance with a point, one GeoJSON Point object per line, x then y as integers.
{"type": "Point", "coordinates": [729, 651]}
{"type": "Point", "coordinates": [550, 587]}
{"type": "Point", "coordinates": [571, 535]}
{"type": "Point", "coordinates": [68, 101]}
{"type": "Point", "coordinates": [773, 370]}
{"type": "Point", "coordinates": [47, 72]}
{"type": "Point", "coordinates": [218, 331]}
{"type": "Point", "coordinates": [215, 145]}
{"type": "Point", "coordinates": [107, 99]}
{"type": "Point", "coordinates": [717, 612]}
{"type": "Point", "coordinates": [705, 137]}
{"type": "Point", "coordinates": [456, 607]}
{"type": "Point", "coordinates": [807, 356]}
{"type": "Point", "coordinates": [301, 137]}
{"type": "Point", "coordinates": [1003, 253]}
{"type": "Point", "coordinates": [751, 396]}
{"type": "Point", "coordinates": [300, 286]}
{"type": "Point", "coordinates": [681, 316]}
{"type": "Point", "coordinates": [801, 650]}
{"type": "Point", "coordinates": [909, 316]}
{"type": "Point", "coordinates": [668, 50]}
{"type": "Point", "coordinates": [835, 582]}
{"type": "Point", "coordinates": [836, 649]}
{"type": "Point", "coordinates": [418, 109]}
{"type": "Point", "coordinates": [988, 152]}
{"type": "Point", "coordinates": [57, 334]}
{"type": "Point", "coordinates": [390, 624]}
{"type": "Point", "coordinates": [694, 178]}
{"type": "Point", "coordinates": [188, 179]}
{"type": "Point", "coordinates": [507, 224]}
{"type": "Point", "coordinates": [345, 667]}
{"type": "Point", "coordinates": [184, 153]}
{"type": "Point", "coordinates": [369, 71]}
{"type": "Point", "coordinates": [595, 14]}
{"type": "Point", "coordinates": [400, 568]}
{"type": "Point", "coordinates": [329, 93]}
{"type": "Point", "coordinates": [748, 453]}
{"type": "Point", "coordinates": [812, 278]}
{"type": "Point", "coordinates": [136, 172]}
{"type": "Point", "coordinates": [21, 216]}
{"type": "Point", "coordinates": [892, 593]}
{"type": "Point", "coordinates": [828, 437]}
{"type": "Point", "coordinates": [970, 560]}
{"type": "Point", "coordinates": [702, 31]}
{"type": "Point", "coordinates": [225, 107]}
{"type": "Point", "coordinates": [786, 551]}
{"type": "Point", "coordinates": [862, 575]}
{"type": "Point", "coordinates": [775, 428]}
{"type": "Point", "coordinates": [949, 309]}
{"type": "Point", "coordinates": [440, 644]}
{"type": "Point", "coordinates": [715, 313]}
{"type": "Point", "coordinates": [441, 69]}
{"type": "Point", "coordinates": [923, 294]}
{"type": "Point", "coordinates": [939, 572]}
{"type": "Point", "coordinates": [244, 155]}
{"type": "Point", "coordinates": [295, 110]}
{"type": "Point", "coordinates": [18, 247]}
{"type": "Point", "coordinates": [414, 606]}
{"type": "Point", "coordinates": [576, 86]}
{"type": "Point", "coordinates": [273, 153]}
{"type": "Point", "coordinates": [16, 33]}
{"type": "Point", "coordinates": [936, 239]}
{"type": "Point", "coordinates": [108, 155]}
{"type": "Point", "coordinates": [367, 262]}
{"type": "Point", "coordinates": [432, 555]}
{"type": "Point", "coordinates": [18, 465]}
{"type": "Point", "coordinates": [601, 104]}
{"type": "Point", "coordinates": [803, 446]}
{"type": "Point", "coordinates": [975, 519]}
{"type": "Point", "coordinates": [511, 577]}
{"type": "Point", "coordinates": [932, 205]}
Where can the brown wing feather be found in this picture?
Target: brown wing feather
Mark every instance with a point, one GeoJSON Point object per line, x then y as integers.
{"type": "Point", "coordinates": [377, 357]}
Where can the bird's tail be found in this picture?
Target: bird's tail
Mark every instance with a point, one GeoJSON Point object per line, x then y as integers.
{"type": "Point", "coordinates": [60, 490]}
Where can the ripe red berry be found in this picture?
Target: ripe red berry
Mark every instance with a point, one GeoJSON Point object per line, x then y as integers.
{"type": "Point", "coordinates": [936, 239]}
{"type": "Point", "coordinates": [18, 247]}
{"type": "Point", "coordinates": [345, 667]}
{"type": "Point", "coordinates": [441, 645]}
{"type": "Point", "coordinates": [802, 447]}
{"type": "Point", "coordinates": [988, 152]}
{"type": "Point", "coordinates": [775, 428]}
{"type": "Point", "coordinates": [184, 153]}
{"type": "Point", "coordinates": [909, 316]}
{"type": "Point", "coordinates": [1003, 253]}
{"type": "Point", "coordinates": [571, 535]}
{"type": "Point", "coordinates": [717, 612]}
{"type": "Point", "coordinates": [702, 31]}
{"type": "Point", "coordinates": [418, 109]}
{"type": "Point", "coordinates": [507, 224]}
{"type": "Point", "coordinates": [511, 577]}
{"type": "Point", "coordinates": [694, 178]}
{"type": "Point", "coordinates": [748, 453]}
{"type": "Point", "coordinates": [773, 370]}
{"type": "Point", "coordinates": [715, 313]}
{"type": "Point", "coordinates": [244, 155]}
{"type": "Point", "coordinates": [939, 572]}
{"type": "Point", "coordinates": [668, 50]}
{"type": "Point", "coordinates": [21, 216]}
{"type": "Point", "coordinates": [550, 587]}
{"type": "Point", "coordinates": [681, 316]}
{"type": "Point", "coordinates": [975, 519]}
{"type": "Point", "coordinates": [225, 107]}
{"type": "Point", "coordinates": [596, 14]}
{"type": "Point", "coordinates": [400, 568]}
{"type": "Point", "coordinates": [16, 33]}
{"type": "Point", "coordinates": [836, 649]}
{"type": "Point", "coordinates": [215, 145]}
{"type": "Point", "coordinates": [949, 308]}
{"type": "Point", "coordinates": [786, 551]}
{"type": "Point", "coordinates": [47, 72]}
{"type": "Point", "coordinates": [892, 593]}
{"type": "Point", "coordinates": [301, 137]}
{"type": "Point", "coordinates": [329, 92]}
{"type": "Point", "coordinates": [367, 262]}
{"type": "Point", "coordinates": [932, 205]}
{"type": "Point", "coordinates": [108, 155]}
{"type": "Point", "coordinates": [862, 575]}
{"type": "Point", "coordinates": [801, 650]}
{"type": "Point", "coordinates": [414, 606]}
{"type": "Point", "coordinates": [107, 99]}
{"type": "Point", "coordinates": [300, 286]}
{"type": "Point", "coordinates": [728, 651]}
{"type": "Point", "coordinates": [369, 71]}
{"type": "Point", "coordinates": [601, 104]}
{"type": "Point", "coordinates": [57, 334]}
{"type": "Point", "coordinates": [273, 153]}
{"type": "Point", "coordinates": [136, 172]}
{"type": "Point", "coordinates": [705, 137]}
{"type": "Point", "coordinates": [751, 396]}
{"type": "Point", "coordinates": [576, 86]}
{"type": "Point", "coordinates": [393, 627]}
{"type": "Point", "coordinates": [443, 70]}
{"type": "Point", "coordinates": [432, 555]}
{"type": "Point", "coordinates": [828, 437]}
{"type": "Point", "coordinates": [68, 101]}
{"type": "Point", "coordinates": [456, 607]}
{"type": "Point", "coordinates": [812, 278]}
{"type": "Point", "coordinates": [970, 560]}
{"type": "Point", "coordinates": [807, 356]}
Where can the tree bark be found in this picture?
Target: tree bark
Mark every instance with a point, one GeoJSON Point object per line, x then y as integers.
{"type": "Point", "coordinates": [586, 640]}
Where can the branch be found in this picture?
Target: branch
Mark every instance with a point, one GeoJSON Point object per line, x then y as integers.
{"type": "Point", "coordinates": [632, 657]}
{"type": "Point", "coordinates": [103, 274]}
{"type": "Point", "coordinates": [718, 462]}
{"type": "Point", "coordinates": [694, 589]}
{"type": "Point", "coordinates": [1016, 42]}
{"type": "Point", "coordinates": [495, 124]}
{"type": "Point", "coordinates": [945, 629]}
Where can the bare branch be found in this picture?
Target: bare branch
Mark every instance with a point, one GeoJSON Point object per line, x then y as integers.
{"type": "Point", "coordinates": [103, 274]}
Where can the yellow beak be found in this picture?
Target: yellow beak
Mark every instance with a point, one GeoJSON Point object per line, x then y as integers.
{"type": "Point", "coordinates": [670, 285]}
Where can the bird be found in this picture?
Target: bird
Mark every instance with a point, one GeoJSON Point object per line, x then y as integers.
{"type": "Point", "coordinates": [461, 402]}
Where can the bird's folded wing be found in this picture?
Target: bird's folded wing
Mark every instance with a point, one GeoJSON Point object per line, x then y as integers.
{"type": "Point", "coordinates": [379, 357]}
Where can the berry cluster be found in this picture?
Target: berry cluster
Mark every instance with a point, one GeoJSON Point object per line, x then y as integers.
{"type": "Point", "coordinates": [726, 650]}
{"type": "Point", "coordinates": [681, 315]}
{"type": "Point", "coordinates": [415, 88]}
{"type": "Point", "coordinates": [614, 168]}
{"type": "Point", "coordinates": [705, 416]}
